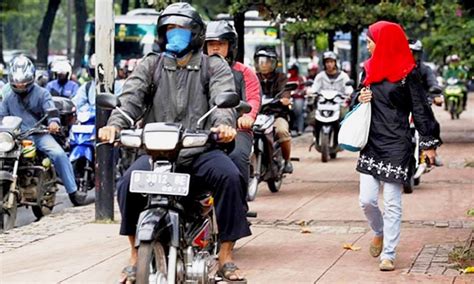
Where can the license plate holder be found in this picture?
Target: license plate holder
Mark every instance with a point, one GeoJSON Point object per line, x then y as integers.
{"type": "Point", "coordinates": [160, 183]}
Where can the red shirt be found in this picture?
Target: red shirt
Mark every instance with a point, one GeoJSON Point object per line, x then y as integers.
{"type": "Point", "coordinates": [252, 87]}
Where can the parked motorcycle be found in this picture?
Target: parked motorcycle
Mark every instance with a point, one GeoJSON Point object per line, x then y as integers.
{"type": "Point", "coordinates": [266, 160]}
{"type": "Point", "coordinates": [176, 240]}
{"type": "Point", "coordinates": [453, 94]}
{"type": "Point", "coordinates": [82, 143]}
{"type": "Point", "coordinates": [19, 158]}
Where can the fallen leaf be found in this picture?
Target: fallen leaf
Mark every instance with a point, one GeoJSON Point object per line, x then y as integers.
{"type": "Point", "coordinates": [470, 212]}
{"type": "Point", "coordinates": [469, 269]}
{"type": "Point", "coordinates": [301, 223]}
{"type": "Point", "coordinates": [305, 230]}
{"type": "Point", "coordinates": [350, 247]}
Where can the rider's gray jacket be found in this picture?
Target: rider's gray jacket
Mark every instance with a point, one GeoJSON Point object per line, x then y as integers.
{"type": "Point", "coordinates": [180, 96]}
{"type": "Point", "coordinates": [323, 82]}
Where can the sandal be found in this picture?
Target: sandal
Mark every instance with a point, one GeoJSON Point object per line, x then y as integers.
{"type": "Point", "coordinates": [228, 270]}
{"type": "Point", "coordinates": [129, 275]}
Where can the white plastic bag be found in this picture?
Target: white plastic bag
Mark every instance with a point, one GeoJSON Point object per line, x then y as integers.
{"type": "Point", "coordinates": [355, 127]}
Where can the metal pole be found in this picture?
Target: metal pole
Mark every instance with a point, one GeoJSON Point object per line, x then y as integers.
{"type": "Point", "coordinates": [104, 46]}
{"type": "Point", "coordinates": [69, 29]}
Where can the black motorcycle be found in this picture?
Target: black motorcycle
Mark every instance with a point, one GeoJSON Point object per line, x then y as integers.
{"type": "Point", "coordinates": [176, 237]}
{"type": "Point", "coordinates": [27, 176]}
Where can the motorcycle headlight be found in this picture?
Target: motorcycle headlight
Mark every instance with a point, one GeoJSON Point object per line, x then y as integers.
{"type": "Point", "coordinates": [6, 142]}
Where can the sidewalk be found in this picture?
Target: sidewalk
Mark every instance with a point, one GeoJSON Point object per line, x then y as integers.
{"type": "Point", "coordinates": [69, 247]}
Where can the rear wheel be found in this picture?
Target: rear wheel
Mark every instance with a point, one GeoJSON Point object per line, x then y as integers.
{"type": "Point", "coordinates": [151, 264]}
{"type": "Point", "coordinates": [274, 183]}
{"type": "Point", "coordinates": [408, 188]}
{"type": "Point", "coordinates": [324, 148]}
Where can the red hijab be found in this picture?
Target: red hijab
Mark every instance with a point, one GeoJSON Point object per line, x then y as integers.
{"type": "Point", "coordinates": [392, 59]}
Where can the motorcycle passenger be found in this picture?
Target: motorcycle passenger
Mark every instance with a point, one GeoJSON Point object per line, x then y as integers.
{"type": "Point", "coordinates": [25, 99]}
{"type": "Point", "coordinates": [430, 84]}
{"type": "Point", "coordinates": [63, 86]}
{"type": "Point", "coordinates": [221, 39]}
{"type": "Point", "coordinates": [181, 97]}
{"type": "Point", "coordinates": [273, 83]}
{"type": "Point", "coordinates": [456, 70]}
{"type": "Point", "coordinates": [85, 96]}
{"type": "Point", "coordinates": [331, 78]}
{"type": "Point", "coordinates": [298, 97]}
{"type": "Point", "coordinates": [313, 69]}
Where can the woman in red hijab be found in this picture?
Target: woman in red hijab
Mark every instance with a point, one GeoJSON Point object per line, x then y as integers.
{"type": "Point", "coordinates": [393, 86]}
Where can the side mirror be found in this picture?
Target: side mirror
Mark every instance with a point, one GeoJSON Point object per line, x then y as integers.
{"type": "Point", "coordinates": [227, 100]}
{"type": "Point", "coordinates": [291, 86]}
{"type": "Point", "coordinates": [107, 101]}
{"type": "Point", "coordinates": [436, 90]}
{"type": "Point", "coordinates": [243, 107]}
{"type": "Point", "coordinates": [350, 83]}
{"type": "Point", "coordinates": [52, 113]}
{"type": "Point", "coordinates": [308, 83]}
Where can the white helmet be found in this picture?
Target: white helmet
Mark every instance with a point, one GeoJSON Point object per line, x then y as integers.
{"type": "Point", "coordinates": [62, 67]}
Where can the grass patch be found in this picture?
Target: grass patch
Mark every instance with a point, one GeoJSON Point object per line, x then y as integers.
{"type": "Point", "coordinates": [463, 256]}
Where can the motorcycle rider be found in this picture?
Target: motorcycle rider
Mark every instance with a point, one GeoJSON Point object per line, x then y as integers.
{"type": "Point", "coordinates": [331, 78]}
{"type": "Point", "coordinates": [273, 83]}
{"type": "Point", "coordinates": [180, 96]}
{"type": "Point", "coordinates": [221, 39]}
{"type": "Point", "coordinates": [25, 99]}
{"type": "Point", "coordinates": [456, 70]}
{"type": "Point", "coordinates": [63, 86]}
{"type": "Point", "coordinates": [298, 97]}
{"type": "Point", "coordinates": [85, 96]}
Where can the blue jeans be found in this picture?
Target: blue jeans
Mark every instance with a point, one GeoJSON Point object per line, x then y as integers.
{"type": "Point", "coordinates": [49, 146]}
{"type": "Point", "coordinates": [298, 110]}
{"type": "Point", "coordinates": [387, 225]}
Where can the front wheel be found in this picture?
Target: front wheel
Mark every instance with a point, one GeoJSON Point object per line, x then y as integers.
{"type": "Point", "coordinates": [274, 184]}
{"type": "Point", "coordinates": [151, 264]}
{"type": "Point", "coordinates": [255, 161]}
{"type": "Point", "coordinates": [9, 215]}
{"type": "Point", "coordinates": [324, 148]}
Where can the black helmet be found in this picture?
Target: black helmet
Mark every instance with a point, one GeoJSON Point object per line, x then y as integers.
{"type": "Point", "coordinates": [415, 45]}
{"type": "Point", "coordinates": [185, 15]}
{"type": "Point", "coordinates": [265, 54]}
{"type": "Point", "coordinates": [223, 30]}
{"type": "Point", "coordinates": [22, 74]}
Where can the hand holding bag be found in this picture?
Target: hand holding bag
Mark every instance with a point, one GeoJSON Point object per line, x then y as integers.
{"type": "Point", "coordinates": [354, 132]}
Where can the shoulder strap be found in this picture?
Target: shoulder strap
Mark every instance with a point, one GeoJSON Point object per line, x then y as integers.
{"type": "Point", "coordinates": [205, 76]}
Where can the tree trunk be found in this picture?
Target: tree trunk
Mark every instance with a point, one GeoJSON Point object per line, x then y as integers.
{"type": "Point", "coordinates": [124, 7]}
{"type": "Point", "coordinates": [354, 55]}
{"type": "Point", "coordinates": [331, 35]}
{"type": "Point", "coordinates": [81, 20]}
{"type": "Point", "coordinates": [42, 41]}
{"type": "Point", "coordinates": [239, 22]}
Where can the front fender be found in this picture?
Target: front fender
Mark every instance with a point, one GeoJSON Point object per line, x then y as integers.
{"type": "Point", "coordinates": [155, 222]}
{"type": "Point", "coordinates": [4, 175]}
{"type": "Point", "coordinates": [81, 151]}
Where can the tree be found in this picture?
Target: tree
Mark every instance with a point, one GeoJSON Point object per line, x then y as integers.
{"type": "Point", "coordinates": [81, 20]}
{"type": "Point", "coordinates": [45, 32]}
{"type": "Point", "coordinates": [124, 6]}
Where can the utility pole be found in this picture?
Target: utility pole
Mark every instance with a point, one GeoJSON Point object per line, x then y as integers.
{"type": "Point", "coordinates": [69, 29]}
{"type": "Point", "coordinates": [104, 165]}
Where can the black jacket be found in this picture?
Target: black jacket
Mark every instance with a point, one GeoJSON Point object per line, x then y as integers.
{"type": "Point", "coordinates": [389, 151]}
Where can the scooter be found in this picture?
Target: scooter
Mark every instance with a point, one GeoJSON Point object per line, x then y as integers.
{"type": "Point", "coordinates": [82, 143]}
{"type": "Point", "coordinates": [454, 94]}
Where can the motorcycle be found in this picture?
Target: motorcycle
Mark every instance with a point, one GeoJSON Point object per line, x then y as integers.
{"type": "Point", "coordinates": [454, 94]}
{"type": "Point", "coordinates": [266, 160]}
{"type": "Point", "coordinates": [19, 158]}
{"type": "Point", "coordinates": [82, 143]}
{"type": "Point", "coordinates": [177, 243]}
{"type": "Point", "coordinates": [68, 117]}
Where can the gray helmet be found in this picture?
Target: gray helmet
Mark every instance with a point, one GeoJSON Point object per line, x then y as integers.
{"type": "Point", "coordinates": [223, 30]}
{"type": "Point", "coordinates": [415, 45]}
{"type": "Point", "coordinates": [22, 74]}
{"type": "Point", "coordinates": [185, 15]}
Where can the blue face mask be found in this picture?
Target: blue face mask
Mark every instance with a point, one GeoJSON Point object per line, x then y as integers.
{"type": "Point", "coordinates": [178, 40]}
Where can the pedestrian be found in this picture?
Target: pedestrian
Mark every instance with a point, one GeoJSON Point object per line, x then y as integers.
{"type": "Point", "coordinates": [391, 83]}
{"type": "Point", "coordinates": [298, 96]}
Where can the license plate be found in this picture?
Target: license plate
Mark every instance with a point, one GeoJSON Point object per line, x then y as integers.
{"type": "Point", "coordinates": [160, 183]}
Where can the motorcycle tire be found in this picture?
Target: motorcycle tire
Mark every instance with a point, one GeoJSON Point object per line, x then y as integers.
{"type": "Point", "coordinates": [416, 181]}
{"type": "Point", "coordinates": [253, 181]}
{"type": "Point", "coordinates": [452, 110]}
{"type": "Point", "coordinates": [324, 148]}
{"type": "Point", "coordinates": [151, 256]}
{"type": "Point", "coordinates": [333, 155]}
{"type": "Point", "coordinates": [9, 217]}
{"type": "Point", "coordinates": [274, 185]}
{"type": "Point", "coordinates": [408, 188]}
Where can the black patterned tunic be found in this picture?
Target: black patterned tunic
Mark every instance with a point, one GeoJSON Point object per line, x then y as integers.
{"type": "Point", "coordinates": [388, 155]}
